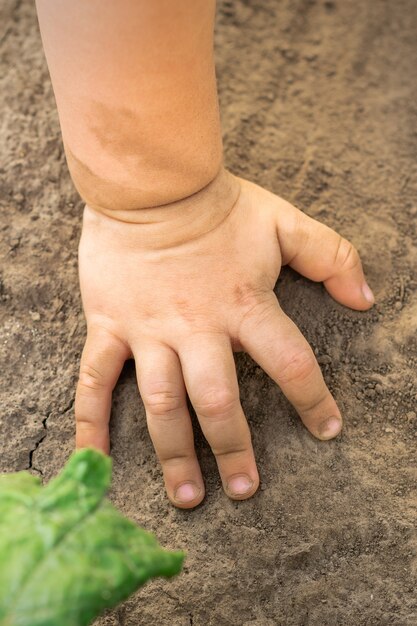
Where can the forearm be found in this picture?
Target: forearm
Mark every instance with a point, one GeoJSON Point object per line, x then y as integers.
{"type": "Point", "coordinates": [136, 93]}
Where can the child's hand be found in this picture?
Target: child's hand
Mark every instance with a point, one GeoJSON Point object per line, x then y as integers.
{"type": "Point", "coordinates": [179, 295]}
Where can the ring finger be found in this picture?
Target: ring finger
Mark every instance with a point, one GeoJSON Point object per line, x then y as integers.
{"type": "Point", "coordinates": [163, 393]}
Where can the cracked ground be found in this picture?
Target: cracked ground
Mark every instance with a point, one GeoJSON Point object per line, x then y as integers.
{"type": "Point", "coordinates": [319, 105]}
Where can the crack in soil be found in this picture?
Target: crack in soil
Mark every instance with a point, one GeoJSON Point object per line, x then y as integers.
{"type": "Point", "coordinates": [43, 437]}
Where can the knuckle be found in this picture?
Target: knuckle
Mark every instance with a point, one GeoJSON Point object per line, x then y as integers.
{"type": "Point", "coordinates": [83, 420]}
{"type": "Point", "coordinates": [235, 452]}
{"type": "Point", "coordinates": [84, 424]}
{"type": "Point", "coordinates": [107, 337]}
{"type": "Point", "coordinates": [311, 407]}
{"type": "Point", "coordinates": [298, 367]}
{"type": "Point", "coordinates": [162, 400]}
{"type": "Point", "coordinates": [245, 294]}
{"type": "Point", "coordinates": [90, 379]}
{"type": "Point", "coordinates": [216, 403]}
{"type": "Point", "coordinates": [347, 256]}
{"type": "Point", "coordinates": [249, 298]}
{"type": "Point", "coordinates": [256, 308]}
{"type": "Point", "coordinates": [174, 460]}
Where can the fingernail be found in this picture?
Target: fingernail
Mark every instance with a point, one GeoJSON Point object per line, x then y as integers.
{"type": "Point", "coordinates": [367, 293]}
{"type": "Point", "coordinates": [239, 485]}
{"type": "Point", "coordinates": [330, 427]}
{"type": "Point", "coordinates": [187, 492]}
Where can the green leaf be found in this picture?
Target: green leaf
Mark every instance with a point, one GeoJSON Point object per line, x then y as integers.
{"type": "Point", "coordinates": [66, 553]}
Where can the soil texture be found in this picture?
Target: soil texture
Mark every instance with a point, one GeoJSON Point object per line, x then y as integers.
{"type": "Point", "coordinates": [319, 104]}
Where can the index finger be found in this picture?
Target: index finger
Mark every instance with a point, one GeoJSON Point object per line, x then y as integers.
{"type": "Point", "coordinates": [278, 346]}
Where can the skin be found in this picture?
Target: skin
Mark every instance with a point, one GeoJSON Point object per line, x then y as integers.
{"type": "Point", "coordinates": [135, 86]}
{"type": "Point", "coordinates": [177, 270]}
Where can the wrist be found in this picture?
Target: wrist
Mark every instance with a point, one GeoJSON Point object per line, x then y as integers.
{"type": "Point", "coordinates": [173, 223]}
{"type": "Point", "coordinates": [114, 185]}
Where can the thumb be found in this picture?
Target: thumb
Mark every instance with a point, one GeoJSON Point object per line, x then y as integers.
{"type": "Point", "coordinates": [319, 253]}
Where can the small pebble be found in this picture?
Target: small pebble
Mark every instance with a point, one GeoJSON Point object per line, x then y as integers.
{"type": "Point", "coordinates": [325, 359]}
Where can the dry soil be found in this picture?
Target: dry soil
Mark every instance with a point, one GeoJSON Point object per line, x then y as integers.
{"type": "Point", "coordinates": [319, 105]}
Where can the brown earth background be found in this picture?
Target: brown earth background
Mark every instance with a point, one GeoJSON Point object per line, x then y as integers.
{"type": "Point", "coordinates": [319, 105]}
